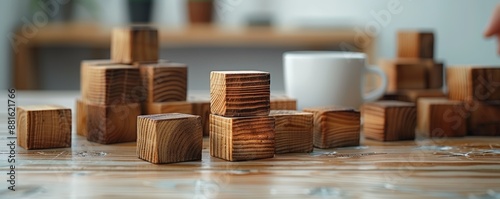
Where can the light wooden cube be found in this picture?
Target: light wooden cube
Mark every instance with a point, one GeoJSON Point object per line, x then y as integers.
{"type": "Point", "coordinates": [43, 126]}
{"type": "Point", "coordinates": [202, 108]}
{"type": "Point", "coordinates": [81, 118]}
{"type": "Point", "coordinates": [293, 131]}
{"type": "Point", "coordinates": [108, 124]}
{"type": "Point", "coordinates": [168, 107]}
{"type": "Point", "coordinates": [404, 75]}
{"type": "Point", "coordinates": [282, 103]}
{"type": "Point", "coordinates": [473, 83]}
{"type": "Point", "coordinates": [112, 84]}
{"type": "Point", "coordinates": [169, 138]}
{"type": "Point", "coordinates": [164, 82]}
{"type": "Point", "coordinates": [241, 138]}
{"type": "Point", "coordinates": [389, 120]}
{"type": "Point", "coordinates": [84, 83]}
{"type": "Point", "coordinates": [239, 93]}
{"type": "Point", "coordinates": [134, 44]}
{"type": "Point", "coordinates": [415, 44]}
{"type": "Point", "coordinates": [484, 119]}
{"type": "Point", "coordinates": [335, 126]}
{"type": "Point", "coordinates": [440, 117]}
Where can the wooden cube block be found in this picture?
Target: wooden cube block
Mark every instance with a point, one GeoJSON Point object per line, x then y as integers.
{"type": "Point", "coordinates": [84, 83]}
{"type": "Point", "coordinates": [164, 82]}
{"type": "Point", "coordinates": [239, 93]}
{"type": "Point", "coordinates": [404, 74]}
{"type": "Point", "coordinates": [168, 107]}
{"type": "Point", "coordinates": [134, 44]}
{"type": "Point", "coordinates": [169, 138]}
{"type": "Point", "coordinates": [440, 117]}
{"type": "Point", "coordinates": [435, 72]}
{"type": "Point", "coordinates": [484, 119]}
{"type": "Point", "coordinates": [241, 138]}
{"type": "Point", "coordinates": [414, 95]}
{"type": "Point", "coordinates": [467, 83]}
{"type": "Point", "coordinates": [335, 126]}
{"type": "Point", "coordinates": [282, 103]}
{"type": "Point", "coordinates": [202, 108]}
{"type": "Point", "coordinates": [389, 120]}
{"type": "Point", "coordinates": [415, 44]}
{"type": "Point", "coordinates": [293, 131]}
{"type": "Point", "coordinates": [81, 118]}
{"type": "Point", "coordinates": [108, 124]}
{"type": "Point", "coordinates": [43, 126]}
{"type": "Point", "coordinates": [112, 84]}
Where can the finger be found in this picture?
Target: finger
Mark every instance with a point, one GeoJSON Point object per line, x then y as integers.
{"type": "Point", "coordinates": [494, 25]}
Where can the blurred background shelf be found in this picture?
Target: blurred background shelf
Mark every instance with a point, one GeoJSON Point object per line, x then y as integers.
{"type": "Point", "coordinates": [94, 36]}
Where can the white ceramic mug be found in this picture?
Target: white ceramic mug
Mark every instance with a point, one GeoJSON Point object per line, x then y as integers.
{"type": "Point", "coordinates": [326, 78]}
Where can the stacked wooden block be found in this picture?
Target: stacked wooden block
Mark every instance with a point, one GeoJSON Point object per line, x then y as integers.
{"type": "Point", "coordinates": [240, 125]}
{"type": "Point", "coordinates": [114, 92]}
{"type": "Point", "coordinates": [414, 69]}
{"type": "Point", "coordinates": [108, 107]}
{"type": "Point", "coordinates": [412, 75]}
{"type": "Point", "coordinates": [477, 88]}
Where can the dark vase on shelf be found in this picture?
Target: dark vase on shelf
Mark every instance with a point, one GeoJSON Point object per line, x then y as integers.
{"type": "Point", "coordinates": [139, 10]}
{"type": "Point", "coordinates": [200, 11]}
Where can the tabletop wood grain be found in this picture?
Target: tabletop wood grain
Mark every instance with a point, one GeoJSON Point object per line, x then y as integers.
{"type": "Point", "coordinates": [424, 168]}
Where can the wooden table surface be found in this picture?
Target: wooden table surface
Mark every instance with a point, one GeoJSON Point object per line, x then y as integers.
{"type": "Point", "coordinates": [425, 168]}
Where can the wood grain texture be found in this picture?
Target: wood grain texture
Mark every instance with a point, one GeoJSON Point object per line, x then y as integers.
{"type": "Point", "coordinates": [168, 107]}
{"type": "Point", "coordinates": [240, 93]}
{"type": "Point", "coordinates": [81, 118]}
{"type": "Point", "coordinates": [201, 107]}
{"type": "Point", "coordinates": [484, 119]}
{"type": "Point", "coordinates": [84, 83]}
{"type": "Point", "coordinates": [440, 117]}
{"type": "Point", "coordinates": [134, 44]}
{"type": "Point", "coordinates": [164, 82]}
{"type": "Point", "coordinates": [420, 168]}
{"type": "Point", "coordinates": [43, 126]}
{"type": "Point", "coordinates": [293, 131]}
{"type": "Point", "coordinates": [473, 83]}
{"type": "Point", "coordinates": [389, 120]}
{"type": "Point", "coordinates": [109, 124]}
{"type": "Point", "coordinates": [112, 84]}
{"type": "Point", "coordinates": [281, 102]}
{"type": "Point", "coordinates": [242, 138]}
{"type": "Point", "coordinates": [169, 138]}
{"type": "Point", "coordinates": [335, 126]}
{"type": "Point", "coordinates": [404, 74]}
{"type": "Point", "coordinates": [415, 44]}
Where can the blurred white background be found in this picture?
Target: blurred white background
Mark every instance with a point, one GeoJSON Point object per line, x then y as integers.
{"type": "Point", "coordinates": [458, 25]}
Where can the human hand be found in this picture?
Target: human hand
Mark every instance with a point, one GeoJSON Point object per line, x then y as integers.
{"type": "Point", "coordinates": [494, 27]}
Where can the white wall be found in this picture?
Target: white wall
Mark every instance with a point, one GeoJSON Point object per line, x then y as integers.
{"type": "Point", "coordinates": [458, 24]}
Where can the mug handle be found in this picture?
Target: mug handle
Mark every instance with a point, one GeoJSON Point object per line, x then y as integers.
{"type": "Point", "coordinates": [379, 92]}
